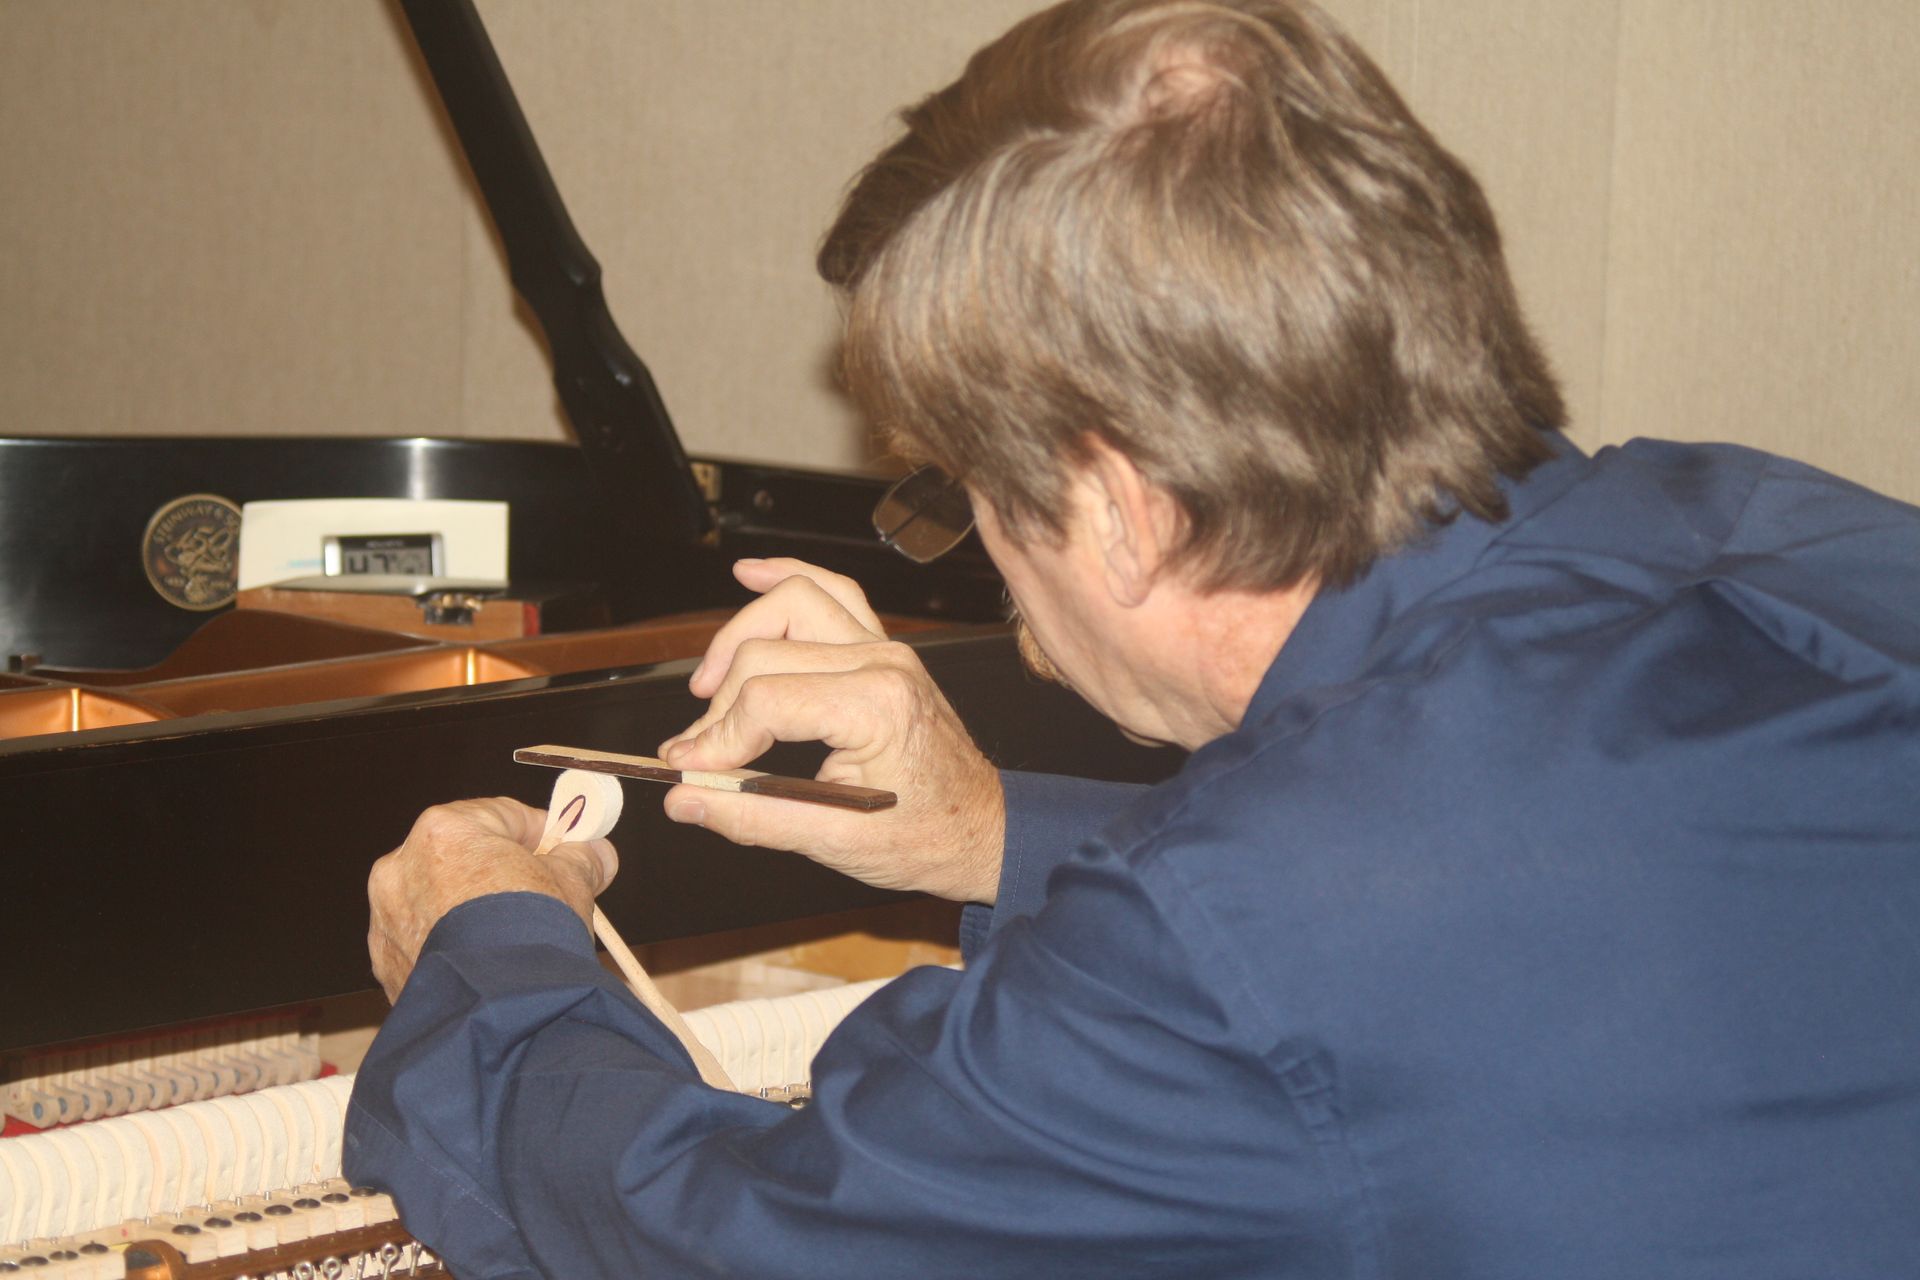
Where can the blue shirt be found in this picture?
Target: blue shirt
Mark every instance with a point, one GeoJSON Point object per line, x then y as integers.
{"type": "Point", "coordinates": [1555, 912]}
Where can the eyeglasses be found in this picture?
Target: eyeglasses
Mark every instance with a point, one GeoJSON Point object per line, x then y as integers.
{"type": "Point", "coordinates": [924, 515]}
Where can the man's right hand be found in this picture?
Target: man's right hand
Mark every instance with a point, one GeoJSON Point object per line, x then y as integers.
{"type": "Point", "coordinates": [809, 661]}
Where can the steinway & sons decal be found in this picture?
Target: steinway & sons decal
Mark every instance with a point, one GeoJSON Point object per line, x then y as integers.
{"type": "Point", "coordinates": [191, 550]}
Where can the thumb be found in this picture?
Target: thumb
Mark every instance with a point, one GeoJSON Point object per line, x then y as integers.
{"type": "Point", "coordinates": [583, 868]}
{"type": "Point", "coordinates": [762, 821]}
{"type": "Point", "coordinates": [727, 743]}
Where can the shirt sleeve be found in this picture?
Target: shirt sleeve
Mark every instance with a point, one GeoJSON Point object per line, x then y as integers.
{"type": "Point", "coordinates": [1049, 819]}
{"type": "Point", "coordinates": [1071, 1105]}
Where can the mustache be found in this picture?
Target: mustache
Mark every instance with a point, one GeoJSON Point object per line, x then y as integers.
{"type": "Point", "coordinates": [1032, 656]}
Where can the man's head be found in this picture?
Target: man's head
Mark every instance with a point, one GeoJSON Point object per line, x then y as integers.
{"type": "Point", "coordinates": [1208, 235]}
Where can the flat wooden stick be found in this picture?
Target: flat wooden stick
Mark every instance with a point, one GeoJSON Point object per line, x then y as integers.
{"type": "Point", "coordinates": [585, 806]}
{"type": "Point", "coordinates": [747, 781]}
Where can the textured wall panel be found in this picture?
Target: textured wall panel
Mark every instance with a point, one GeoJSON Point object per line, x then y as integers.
{"type": "Point", "coordinates": [239, 215]}
{"type": "Point", "coordinates": [703, 146]}
{"type": "Point", "coordinates": [222, 217]}
{"type": "Point", "coordinates": [1765, 256]}
{"type": "Point", "coordinates": [1523, 92]}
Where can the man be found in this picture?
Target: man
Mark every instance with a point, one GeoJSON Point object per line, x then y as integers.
{"type": "Point", "coordinates": [1540, 898]}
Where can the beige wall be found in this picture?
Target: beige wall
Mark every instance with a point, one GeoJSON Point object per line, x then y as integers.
{"type": "Point", "coordinates": [239, 215]}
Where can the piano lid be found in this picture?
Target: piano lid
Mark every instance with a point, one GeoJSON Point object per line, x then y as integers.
{"type": "Point", "coordinates": [622, 511]}
{"type": "Point", "coordinates": [617, 415]}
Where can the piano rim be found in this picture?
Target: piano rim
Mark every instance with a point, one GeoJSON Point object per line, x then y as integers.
{"type": "Point", "coordinates": [93, 747]}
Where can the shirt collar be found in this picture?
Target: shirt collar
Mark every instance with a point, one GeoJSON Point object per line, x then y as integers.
{"type": "Point", "coordinates": [1331, 642]}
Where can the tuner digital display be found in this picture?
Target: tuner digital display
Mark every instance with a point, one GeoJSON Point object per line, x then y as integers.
{"type": "Point", "coordinates": [416, 555]}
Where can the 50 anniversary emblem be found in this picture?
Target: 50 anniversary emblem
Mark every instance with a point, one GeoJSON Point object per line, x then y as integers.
{"type": "Point", "coordinates": [191, 551]}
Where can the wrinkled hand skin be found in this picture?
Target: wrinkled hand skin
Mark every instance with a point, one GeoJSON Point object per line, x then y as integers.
{"type": "Point", "coordinates": [458, 852]}
{"type": "Point", "coordinates": [809, 661]}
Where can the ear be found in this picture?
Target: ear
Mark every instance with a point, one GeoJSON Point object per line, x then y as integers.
{"type": "Point", "coordinates": [1133, 523]}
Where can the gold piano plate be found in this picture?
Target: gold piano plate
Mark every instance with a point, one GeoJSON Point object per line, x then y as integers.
{"type": "Point", "coordinates": [30, 708]}
{"type": "Point", "coordinates": [255, 659]}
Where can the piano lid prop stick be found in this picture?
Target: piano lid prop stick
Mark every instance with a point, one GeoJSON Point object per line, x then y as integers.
{"type": "Point", "coordinates": [839, 794]}
{"type": "Point", "coordinates": [585, 806]}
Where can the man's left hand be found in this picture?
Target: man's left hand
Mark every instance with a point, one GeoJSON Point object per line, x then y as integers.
{"type": "Point", "coordinates": [458, 852]}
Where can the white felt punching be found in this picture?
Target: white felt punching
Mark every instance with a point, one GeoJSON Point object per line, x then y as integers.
{"type": "Point", "coordinates": [585, 806]}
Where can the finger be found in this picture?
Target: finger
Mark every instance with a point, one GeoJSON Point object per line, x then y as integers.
{"type": "Point", "coordinates": [380, 877]}
{"type": "Point", "coordinates": [521, 823]}
{"type": "Point", "coordinates": [758, 658]}
{"type": "Point", "coordinates": [795, 607]}
{"type": "Point", "coordinates": [763, 575]}
{"type": "Point", "coordinates": [390, 966]}
{"type": "Point", "coordinates": [596, 861]}
{"type": "Point", "coordinates": [759, 820]}
{"type": "Point", "coordinates": [843, 709]}
{"type": "Point", "coordinates": [495, 816]}
{"type": "Point", "coordinates": [576, 873]}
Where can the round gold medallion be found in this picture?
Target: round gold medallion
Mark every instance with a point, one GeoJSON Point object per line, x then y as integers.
{"type": "Point", "coordinates": [192, 551]}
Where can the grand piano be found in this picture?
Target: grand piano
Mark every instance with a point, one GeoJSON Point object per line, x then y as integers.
{"type": "Point", "coordinates": [192, 796]}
